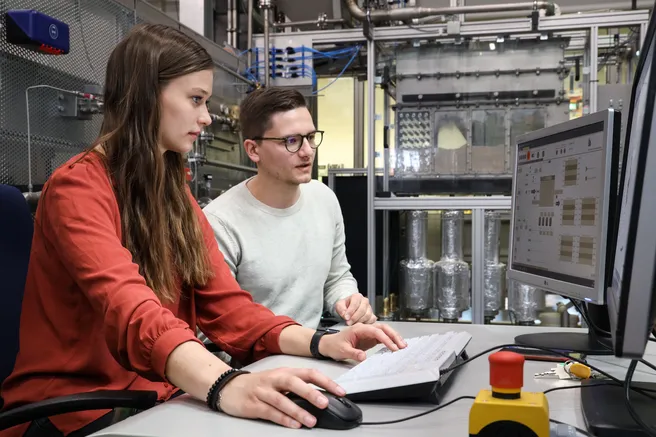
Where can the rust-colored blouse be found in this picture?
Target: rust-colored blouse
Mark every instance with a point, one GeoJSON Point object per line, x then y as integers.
{"type": "Point", "coordinates": [89, 322]}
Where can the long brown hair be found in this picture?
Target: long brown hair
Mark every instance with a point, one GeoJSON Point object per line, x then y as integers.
{"type": "Point", "coordinates": [159, 225]}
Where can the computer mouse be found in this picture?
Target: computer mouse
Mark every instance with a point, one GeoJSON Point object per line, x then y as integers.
{"type": "Point", "coordinates": [340, 413]}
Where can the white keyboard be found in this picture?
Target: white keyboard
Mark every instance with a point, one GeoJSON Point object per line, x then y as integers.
{"type": "Point", "coordinates": [419, 363]}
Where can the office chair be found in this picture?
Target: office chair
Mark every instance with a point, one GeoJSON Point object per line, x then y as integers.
{"type": "Point", "coordinates": [16, 229]}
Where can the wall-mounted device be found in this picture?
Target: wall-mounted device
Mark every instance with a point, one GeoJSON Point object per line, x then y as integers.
{"type": "Point", "coordinates": [38, 32]}
{"type": "Point", "coordinates": [81, 105]}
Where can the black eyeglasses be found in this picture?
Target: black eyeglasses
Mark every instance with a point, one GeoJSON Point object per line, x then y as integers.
{"type": "Point", "coordinates": [294, 142]}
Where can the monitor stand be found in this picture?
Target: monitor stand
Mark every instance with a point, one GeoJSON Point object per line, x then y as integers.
{"type": "Point", "coordinates": [605, 412]}
{"type": "Point", "coordinates": [566, 342]}
{"type": "Point", "coordinates": [588, 343]}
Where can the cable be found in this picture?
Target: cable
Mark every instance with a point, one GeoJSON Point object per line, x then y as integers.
{"type": "Point", "coordinates": [648, 364]}
{"type": "Point", "coordinates": [298, 57]}
{"type": "Point", "coordinates": [571, 387]}
{"type": "Point", "coordinates": [586, 316]}
{"type": "Point", "coordinates": [492, 349]}
{"type": "Point", "coordinates": [453, 401]}
{"type": "Point", "coordinates": [432, 410]}
{"type": "Point", "coordinates": [348, 64]}
{"type": "Point", "coordinates": [627, 400]}
{"type": "Point", "coordinates": [614, 381]}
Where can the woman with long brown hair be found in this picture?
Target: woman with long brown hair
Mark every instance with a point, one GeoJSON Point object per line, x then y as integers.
{"type": "Point", "coordinates": [124, 266]}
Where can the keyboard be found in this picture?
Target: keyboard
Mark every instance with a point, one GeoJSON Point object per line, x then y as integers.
{"type": "Point", "coordinates": [414, 372]}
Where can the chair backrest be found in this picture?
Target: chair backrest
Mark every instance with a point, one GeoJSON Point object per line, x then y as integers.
{"type": "Point", "coordinates": [16, 229]}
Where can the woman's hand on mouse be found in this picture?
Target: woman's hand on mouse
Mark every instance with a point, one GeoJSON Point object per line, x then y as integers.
{"type": "Point", "coordinates": [352, 342]}
{"type": "Point", "coordinates": [260, 395]}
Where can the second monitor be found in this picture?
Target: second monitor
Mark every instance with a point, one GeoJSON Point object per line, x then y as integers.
{"type": "Point", "coordinates": [564, 196]}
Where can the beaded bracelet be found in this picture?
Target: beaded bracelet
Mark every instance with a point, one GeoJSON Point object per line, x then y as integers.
{"type": "Point", "coordinates": [213, 395]}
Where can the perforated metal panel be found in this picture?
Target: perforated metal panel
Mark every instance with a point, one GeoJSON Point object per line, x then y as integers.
{"type": "Point", "coordinates": [95, 27]}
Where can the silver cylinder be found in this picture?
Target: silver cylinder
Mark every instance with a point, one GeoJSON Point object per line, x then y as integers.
{"type": "Point", "coordinates": [524, 301]}
{"type": "Point", "coordinates": [249, 37]}
{"type": "Point", "coordinates": [451, 288]}
{"type": "Point", "coordinates": [267, 48]}
{"type": "Point", "coordinates": [492, 237]}
{"type": "Point", "coordinates": [416, 285]}
{"type": "Point", "coordinates": [494, 284]}
{"type": "Point", "coordinates": [451, 274]}
{"type": "Point", "coordinates": [494, 272]}
{"type": "Point", "coordinates": [452, 235]}
{"type": "Point", "coordinates": [416, 230]}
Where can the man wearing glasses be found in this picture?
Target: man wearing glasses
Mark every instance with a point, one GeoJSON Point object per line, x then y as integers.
{"type": "Point", "coordinates": [282, 233]}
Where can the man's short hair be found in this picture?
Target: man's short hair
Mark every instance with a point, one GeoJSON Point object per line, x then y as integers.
{"type": "Point", "coordinates": [259, 106]}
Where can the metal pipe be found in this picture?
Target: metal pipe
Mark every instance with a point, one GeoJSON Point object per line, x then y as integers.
{"type": "Point", "coordinates": [194, 172]}
{"type": "Point", "coordinates": [386, 133]}
{"type": "Point", "coordinates": [403, 14]}
{"type": "Point", "coordinates": [233, 73]}
{"type": "Point", "coordinates": [235, 23]}
{"type": "Point", "coordinates": [371, 175]}
{"type": "Point", "coordinates": [267, 55]}
{"type": "Point", "coordinates": [358, 123]}
{"type": "Point", "coordinates": [594, 52]}
{"type": "Point", "coordinates": [605, 6]}
{"type": "Point", "coordinates": [249, 43]}
{"type": "Point", "coordinates": [231, 166]}
{"type": "Point", "coordinates": [331, 181]}
{"type": "Point", "coordinates": [317, 23]}
{"type": "Point", "coordinates": [386, 225]}
{"type": "Point", "coordinates": [231, 6]}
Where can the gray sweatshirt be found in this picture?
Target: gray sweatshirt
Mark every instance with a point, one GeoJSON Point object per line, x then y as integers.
{"type": "Point", "coordinates": [291, 260]}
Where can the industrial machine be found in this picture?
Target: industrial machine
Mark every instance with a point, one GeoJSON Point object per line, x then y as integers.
{"type": "Point", "coordinates": [459, 84]}
{"type": "Point", "coordinates": [427, 235]}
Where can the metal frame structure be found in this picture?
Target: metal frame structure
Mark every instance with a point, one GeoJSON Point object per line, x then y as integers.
{"type": "Point", "coordinates": [587, 23]}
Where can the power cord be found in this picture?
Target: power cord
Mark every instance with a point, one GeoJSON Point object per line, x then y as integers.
{"type": "Point", "coordinates": [586, 316]}
{"type": "Point", "coordinates": [627, 400]}
{"type": "Point", "coordinates": [615, 381]}
{"type": "Point", "coordinates": [453, 401]}
{"type": "Point", "coordinates": [492, 349]}
{"type": "Point", "coordinates": [432, 410]}
{"type": "Point", "coordinates": [648, 364]}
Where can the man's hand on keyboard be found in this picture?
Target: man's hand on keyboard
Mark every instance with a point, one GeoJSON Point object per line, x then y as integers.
{"type": "Point", "coordinates": [355, 309]}
{"type": "Point", "coordinates": [352, 342]}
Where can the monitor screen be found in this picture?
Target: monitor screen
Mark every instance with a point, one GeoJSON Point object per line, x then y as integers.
{"type": "Point", "coordinates": [561, 195]}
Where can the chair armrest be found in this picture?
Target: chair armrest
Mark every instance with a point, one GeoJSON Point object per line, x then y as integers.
{"type": "Point", "coordinates": [98, 400]}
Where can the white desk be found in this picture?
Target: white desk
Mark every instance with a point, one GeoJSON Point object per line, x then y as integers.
{"type": "Point", "coordinates": [186, 416]}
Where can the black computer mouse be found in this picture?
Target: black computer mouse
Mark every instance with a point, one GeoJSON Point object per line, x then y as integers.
{"type": "Point", "coordinates": [340, 413]}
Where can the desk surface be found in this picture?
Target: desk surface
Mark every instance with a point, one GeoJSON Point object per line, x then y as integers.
{"type": "Point", "coordinates": [187, 416]}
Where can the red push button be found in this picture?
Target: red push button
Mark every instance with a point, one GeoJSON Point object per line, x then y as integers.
{"type": "Point", "coordinates": [506, 370]}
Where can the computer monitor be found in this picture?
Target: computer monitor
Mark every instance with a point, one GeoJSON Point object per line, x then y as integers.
{"type": "Point", "coordinates": [631, 301]}
{"type": "Point", "coordinates": [631, 294]}
{"type": "Point", "coordinates": [564, 189]}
